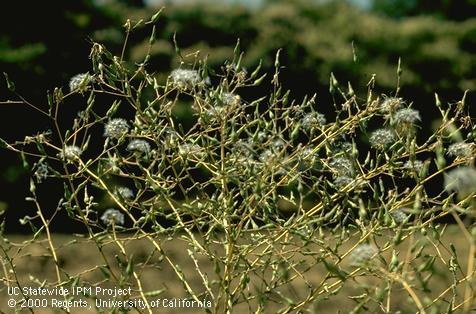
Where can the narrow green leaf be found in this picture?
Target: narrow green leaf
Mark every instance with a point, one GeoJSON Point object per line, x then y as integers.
{"type": "Point", "coordinates": [335, 270]}
{"type": "Point", "coordinates": [156, 16]}
{"type": "Point", "coordinates": [10, 84]}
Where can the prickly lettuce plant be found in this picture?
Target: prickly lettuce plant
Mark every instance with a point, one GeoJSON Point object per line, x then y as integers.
{"type": "Point", "coordinates": [280, 207]}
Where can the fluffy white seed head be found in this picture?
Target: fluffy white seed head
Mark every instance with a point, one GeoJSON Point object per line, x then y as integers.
{"type": "Point", "coordinates": [71, 152]}
{"type": "Point", "coordinates": [461, 180]}
{"type": "Point", "coordinates": [230, 99]}
{"type": "Point", "coordinates": [460, 150]}
{"type": "Point", "coordinates": [390, 104]}
{"type": "Point", "coordinates": [138, 145]}
{"type": "Point", "coordinates": [306, 157]}
{"type": "Point", "coordinates": [342, 166]}
{"type": "Point", "coordinates": [184, 78]}
{"type": "Point", "coordinates": [267, 156]}
{"type": "Point", "coordinates": [381, 138]}
{"type": "Point", "coordinates": [213, 114]}
{"type": "Point", "coordinates": [413, 165]}
{"type": "Point", "coordinates": [112, 216]}
{"type": "Point", "coordinates": [262, 136]}
{"type": "Point", "coordinates": [399, 215]}
{"type": "Point", "coordinates": [191, 150]}
{"type": "Point", "coordinates": [278, 144]}
{"type": "Point", "coordinates": [406, 116]}
{"type": "Point", "coordinates": [312, 120]}
{"type": "Point", "coordinates": [363, 254]}
{"type": "Point", "coordinates": [342, 147]}
{"type": "Point", "coordinates": [116, 128]}
{"type": "Point", "coordinates": [342, 181]}
{"type": "Point", "coordinates": [125, 192]}
{"type": "Point", "coordinates": [244, 148]}
{"type": "Point", "coordinates": [79, 80]}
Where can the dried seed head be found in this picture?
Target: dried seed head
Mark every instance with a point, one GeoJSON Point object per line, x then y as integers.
{"type": "Point", "coordinates": [413, 165]}
{"type": "Point", "coordinates": [342, 181]}
{"type": "Point", "coordinates": [278, 144]}
{"type": "Point", "coordinates": [125, 192]}
{"type": "Point", "coordinates": [262, 136]}
{"type": "Point", "coordinates": [363, 254]}
{"type": "Point", "coordinates": [71, 152]}
{"type": "Point", "coordinates": [342, 147]}
{"type": "Point", "coordinates": [41, 172]}
{"type": "Point", "coordinates": [112, 216]}
{"type": "Point", "coordinates": [138, 145]}
{"type": "Point", "coordinates": [406, 116]}
{"type": "Point", "coordinates": [79, 80]}
{"type": "Point", "coordinates": [312, 120]}
{"type": "Point", "coordinates": [390, 104]}
{"type": "Point", "coordinates": [191, 150]}
{"type": "Point", "coordinates": [399, 215]}
{"type": "Point", "coordinates": [381, 138]}
{"type": "Point", "coordinates": [116, 128]}
{"type": "Point", "coordinates": [460, 150]}
{"type": "Point", "coordinates": [243, 148]}
{"type": "Point", "coordinates": [267, 156]}
{"type": "Point", "coordinates": [184, 79]}
{"type": "Point", "coordinates": [306, 157]}
{"type": "Point", "coordinates": [230, 99]}
{"type": "Point", "coordinates": [342, 166]}
{"type": "Point", "coordinates": [461, 180]}
{"type": "Point", "coordinates": [212, 115]}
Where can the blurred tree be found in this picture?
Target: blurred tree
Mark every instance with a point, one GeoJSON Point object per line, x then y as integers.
{"type": "Point", "coordinates": [133, 3]}
{"type": "Point", "coordinates": [42, 44]}
{"type": "Point", "coordinates": [448, 9]}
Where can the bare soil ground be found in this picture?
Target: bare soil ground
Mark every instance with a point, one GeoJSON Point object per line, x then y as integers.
{"type": "Point", "coordinates": [80, 258]}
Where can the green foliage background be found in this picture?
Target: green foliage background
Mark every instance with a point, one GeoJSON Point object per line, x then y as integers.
{"type": "Point", "coordinates": [43, 46]}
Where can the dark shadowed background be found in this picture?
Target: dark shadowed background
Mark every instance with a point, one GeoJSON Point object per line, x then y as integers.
{"type": "Point", "coordinates": [43, 44]}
